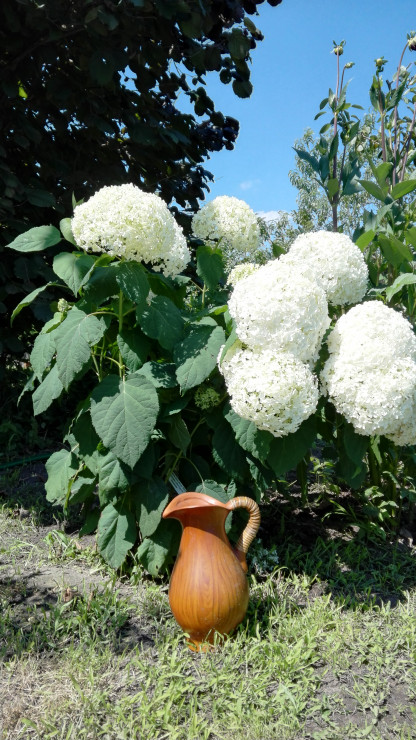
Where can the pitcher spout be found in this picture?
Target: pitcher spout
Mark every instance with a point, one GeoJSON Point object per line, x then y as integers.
{"type": "Point", "coordinates": [188, 501]}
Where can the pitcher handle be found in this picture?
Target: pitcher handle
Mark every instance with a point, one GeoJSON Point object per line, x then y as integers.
{"type": "Point", "coordinates": [248, 534]}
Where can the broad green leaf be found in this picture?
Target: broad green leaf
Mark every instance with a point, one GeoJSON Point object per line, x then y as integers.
{"type": "Point", "coordinates": [91, 522]}
{"type": "Point", "coordinates": [232, 339]}
{"type": "Point", "coordinates": [61, 467]}
{"type": "Point", "coordinates": [394, 250]}
{"type": "Point", "coordinates": [238, 44]}
{"type": "Point", "coordinates": [286, 452]}
{"type": "Point", "coordinates": [150, 497]}
{"type": "Point", "coordinates": [86, 440]}
{"type": "Point", "coordinates": [355, 445]}
{"type": "Point", "coordinates": [50, 389]}
{"type": "Point", "coordinates": [255, 441]}
{"type": "Point", "coordinates": [113, 478]}
{"type": "Point", "coordinates": [155, 553]}
{"type": "Point", "coordinates": [373, 190]}
{"type": "Point", "coordinates": [27, 300]}
{"type": "Point", "coordinates": [72, 268]}
{"type": "Point", "coordinates": [210, 266]}
{"type": "Point", "coordinates": [134, 348]}
{"type": "Point", "coordinates": [382, 172]}
{"type": "Point", "coordinates": [160, 374]}
{"type": "Point", "coordinates": [364, 240]}
{"type": "Point", "coordinates": [227, 453]}
{"type": "Point", "coordinates": [42, 353]}
{"type": "Point", "coordinates": [333, 186]}
{"type": "Point", "coordinates": [408, 278]}
{"type": "Point", "coordinates": [410, 235]}
{"type": "Point", "coordinates": [83, 487]}
{"type": "Point", "coordinates": [66, 230]}
{"type": "Point", "coordinates": [101, 283]}
{"type": "Point", "coordinates": [131, 277]}
{"type": "Point", "coordinates": [74, 338]}
{"type": "Point", "coordinates": [161, 320]}
{"type": "Point", "coordinates": [36, 239]}
{"type": "Point", "coordinates": [196, 356]}
{"type": "Point", "coordinates": [333, 149]}
{"type": "Point", "coordinates": [309, 158]}
{"type": "Point", "coordinates": [124, 414]}
{"type": "Point", "coordinates": [116, 533]}
{"type": "Point", "coordinates": [403, 188]}
{"type": "Point", "coordinates": [178, 433]}
{"type": "Point", "coordinates": [212, 488]}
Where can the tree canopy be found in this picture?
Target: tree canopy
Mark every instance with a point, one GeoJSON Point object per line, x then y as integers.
{"type": "Point", "coordinates": [89, 97]}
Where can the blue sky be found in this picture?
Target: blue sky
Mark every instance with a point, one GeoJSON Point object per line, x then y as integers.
{"type": "Point", "coordinates": [292, 70]}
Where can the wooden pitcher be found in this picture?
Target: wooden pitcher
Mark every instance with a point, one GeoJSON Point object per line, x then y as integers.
{"type": "Point", "coordinates": [208, 590]}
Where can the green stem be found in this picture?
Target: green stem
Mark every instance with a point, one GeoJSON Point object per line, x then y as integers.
{"type": "Point", "coordinates": [374, 468]}
{"type": "Point", "coordinates": [120, 327]}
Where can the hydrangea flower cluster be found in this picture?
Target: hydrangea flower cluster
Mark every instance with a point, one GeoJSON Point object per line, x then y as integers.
{"type": "Point", "coordinates": [273, 389]}
{"type": "Point", "coordinates": [126, 222]}
{"type": "Point", "coordinates": [370, 375]}
{"type": "Point", "coordinates": [273, 308]}
{"type": "Point", "coordinates": [206, 398]}
{"type": "Point", "coordinates": [241, 271]}
{"type": "Point", "coordinates": [334, 261]}
{"type": "Point", "coordinates": [230, 222]}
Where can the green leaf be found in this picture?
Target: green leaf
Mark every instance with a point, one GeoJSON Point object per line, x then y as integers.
{"type": "Point", "coordinates": [65, 226]}
{"type": "Point", "coordinates": [151, 497]}
{"type": "Point", "coordinates": [162, 321]}
{"type": "Point", "coordinates": [333, 186]}
{"type": "Point", "coordinates": [382, 172]}
{"type": "Point", "coordinates": [286, 452]}
{"type": "Point", "coordinates": [131, 277]}
{"type": "Point", "coordinates": [83, 487]}
{"type": "Point", "coordinates": [101, 283]}
{"type": "Point", "coordinates": [27, 300]}
{"type": "Point", "coordinates": [113, 479]}
{"type": "Point", "coordinates": [227, 453]}
{"type": "Point", "coordinates": [364, 240]}
{"type": "Point", "coordinates": [196, 356]}
{"type": "Point", "coordinates": [255, 441]}
{"type": "Point", "coordinates": [36, 239]}
{"type": "Point", "coordinates": [74, 338]}
{"type": "Point", "coordinates": [178, 433]}
{"type": "Point", "coordinates": [102, 67]}
{"type": "Point", "coordinates": [212, 488]}
{"type": "Point", "coordinates": [134, 348]}
{"type": "Point", "coordinates": [373, 190]}
{"type": "Point", "coordinates": [403, 188]}
{"type": "Point", "coordinates": [309, 158]}
{"type": "Point", "coordinates": [40, 198]}
{"type": "Point", "coordinates": [116, 533]}
{"type": "Point", "coordinates": [210, 266]}
{"type": "Point", "coordinates": [355, 445]}
{"type": "Point", "coordinates": [238, 44]}
{"type": "Point", "coordinates": [333, 149]}
{"type": "Point", "coordinates": [50, 389]}
{"type": "Point", "coordinates": [410, 236]}
{"type": "Point", "coordinates": [72, 268]}
{"type": "Point", "coordinates": [400, 282]}
{"type": "Point", "coordinates": [61, 467]}
{"type": "Point", "coordinates": [160, 374]}
{"type": "Point", "coordinates": [155, 553]}
{"type": "Point", "coordinates": [42, 353]}
{"type": "Point", "coordinates": [394, 250]}
{"type": "Point", "coordinates": [124, 414]}
{"type": "Point", "coordinates": [232, 339]}
{"type": "Point", "coordinates": [84, 436]}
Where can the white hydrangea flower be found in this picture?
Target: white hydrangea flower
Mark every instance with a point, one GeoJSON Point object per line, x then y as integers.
{"type": "Point", "coordinates": [230, 222]}
{"type": "Point", "coordinates": [126, 222]}
{"type": "Point", "coordinates": [241, 271]}
{"type": "Point", "coordinates": [334, 261]}
{"type": "Point", "coordinates": [280, 310]}
{"type": "Point", "coordinates": [370, 375]}
{"type": "Point", "coordinates": [382, 401]}
{"type": "Point", "coordinates": [272, 389]}
{"type": "Point", "coordinates": [371, 336]}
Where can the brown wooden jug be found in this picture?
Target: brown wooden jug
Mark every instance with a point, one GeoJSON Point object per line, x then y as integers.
{"type": "Point", "coordinates": [208, 589]}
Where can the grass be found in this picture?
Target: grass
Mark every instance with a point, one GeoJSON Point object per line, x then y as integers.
{"type": "Point", "coordinates": [327, 651]}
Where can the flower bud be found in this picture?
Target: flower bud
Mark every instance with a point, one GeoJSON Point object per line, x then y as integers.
{"type": "Point", "coordinates": [63, 306]}
{"type": "Point", "coordinates": [412, 43]}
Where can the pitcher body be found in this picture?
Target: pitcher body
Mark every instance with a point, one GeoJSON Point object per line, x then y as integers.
{"type": "Point", "coordinates": [208, 591]}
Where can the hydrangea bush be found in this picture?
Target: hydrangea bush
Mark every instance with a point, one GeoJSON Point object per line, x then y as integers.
{"type": "Point", "coordinates": [184, 386]}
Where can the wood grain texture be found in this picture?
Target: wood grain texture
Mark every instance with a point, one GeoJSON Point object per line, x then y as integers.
{"type": "Point", "coordinates": [208, 590]}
